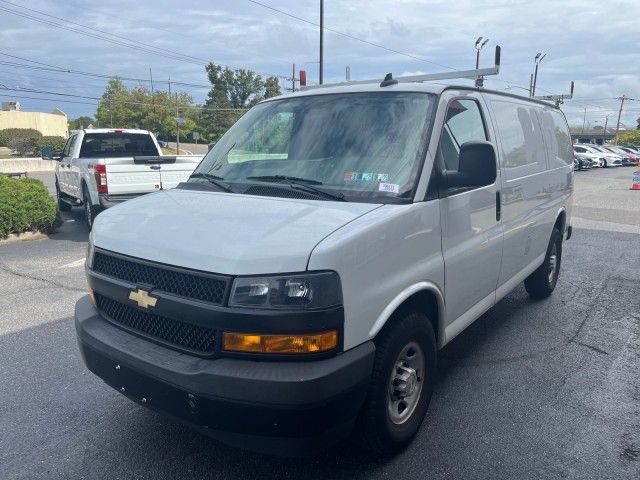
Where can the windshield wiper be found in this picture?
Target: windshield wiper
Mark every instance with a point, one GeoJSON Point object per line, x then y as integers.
{"type": "Point", "coordinates": [214, 179]}
{"type": "Point", "coordinates": [318, 191]}
{"type": "Point", "coordinates": [283, 178]}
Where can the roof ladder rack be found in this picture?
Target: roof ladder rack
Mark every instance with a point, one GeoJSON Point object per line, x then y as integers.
{"type": "Point", "coordinates": [475, 74]}
{"type": "Point", "coordinates": [558, 99]}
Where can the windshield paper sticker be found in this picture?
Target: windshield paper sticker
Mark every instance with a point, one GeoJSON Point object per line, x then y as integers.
{"type": "Point", "coordinates": [365, 177]}
{"type": "Point", "coordinates": [389, 187]}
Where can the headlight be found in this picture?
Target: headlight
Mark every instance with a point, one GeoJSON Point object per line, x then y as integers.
{"type": "Point", "coordinates": [301, 292]}
{"type": "Point", "coordinates": [90, 251]}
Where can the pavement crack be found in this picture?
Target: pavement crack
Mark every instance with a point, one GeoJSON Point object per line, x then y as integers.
{"type": "Point", "coordinates": [11, 271]}
{"type": "Point", "coordinates": [591, 347]}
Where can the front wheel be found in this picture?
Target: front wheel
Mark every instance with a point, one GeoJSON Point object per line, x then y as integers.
{"type": "Point", "coordinates": [401, 384]}
{"type": "Point", "coordinates": [541, 283]}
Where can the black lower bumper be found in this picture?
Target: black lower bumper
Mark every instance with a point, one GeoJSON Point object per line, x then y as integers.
{"type": "Point", "coordinates": [286, 408]}
{"type": "Point", "coordinates": [107, 201]}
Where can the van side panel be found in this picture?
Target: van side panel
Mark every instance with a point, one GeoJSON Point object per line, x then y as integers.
{"type": "Point", "coordinates": [380, 255]}
{"type": "Point", "coordinates": [535, 185]}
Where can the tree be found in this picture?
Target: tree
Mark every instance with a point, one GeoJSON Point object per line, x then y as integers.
{"type": "Point", "coordinates": [81, 122]}
{"type": "Point", "coordinates": [630, 136]}
{"type": "Point", "coordinates": [232, 92]}
{"type": "Point", "coordinates": [137, 108]}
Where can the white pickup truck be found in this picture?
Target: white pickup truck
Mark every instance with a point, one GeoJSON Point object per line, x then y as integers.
{"type": "Point", "coordinates": [101, 167]}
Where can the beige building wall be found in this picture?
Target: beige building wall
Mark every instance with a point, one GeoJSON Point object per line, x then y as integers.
{"type": "Point", "coordinates": [49, 124]}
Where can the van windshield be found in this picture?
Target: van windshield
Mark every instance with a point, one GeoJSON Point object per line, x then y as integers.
{"type": "Point", "coordinates": [360, 146]}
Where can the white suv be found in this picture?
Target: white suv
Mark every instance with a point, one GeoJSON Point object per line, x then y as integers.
{"type": "Point", "coordinates": [303, 280]}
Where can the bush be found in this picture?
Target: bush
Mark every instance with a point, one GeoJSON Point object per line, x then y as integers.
{"type": "Point", "coordinates": [25, 204]}
{"type": "Point", "coordinates": [23, 146]}
{"type": "Point", "coordinates": [56, 144]}
{"type": "Point", "coordinates": [9, 134]}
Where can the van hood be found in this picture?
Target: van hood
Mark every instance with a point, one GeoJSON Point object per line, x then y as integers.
{"type": "Point", "coordinates": [219, 232]}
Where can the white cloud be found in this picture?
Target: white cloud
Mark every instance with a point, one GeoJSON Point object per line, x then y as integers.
{"type": "Point", "coordinates": [595, 43]}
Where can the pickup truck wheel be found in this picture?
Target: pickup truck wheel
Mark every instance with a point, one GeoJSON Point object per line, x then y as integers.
{"type": "Point", "coordinates": [401, 385]}
{"type": "Point", "coordinates": [90, 211]}
{"type": "Point", "coordinates": [541, 283]}
{"type": "Point", "coordinates": [62, 205]}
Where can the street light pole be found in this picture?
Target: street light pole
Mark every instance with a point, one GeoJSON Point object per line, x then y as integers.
{"type": "Point", "coordinates": [622, 99]}
{"type": "Point", "coordinates": [321, 41]}
{"type": "Point", "coordinates": [537, 59]}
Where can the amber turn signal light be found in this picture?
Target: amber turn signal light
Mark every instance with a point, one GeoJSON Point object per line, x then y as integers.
{"type": "Point", "coordinates": [259, 343]}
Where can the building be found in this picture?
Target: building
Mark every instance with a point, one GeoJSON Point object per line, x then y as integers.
{"type": "Point", "coordinates": [48, 124]}
{"type": "Point", "coordinates": [592, 135]}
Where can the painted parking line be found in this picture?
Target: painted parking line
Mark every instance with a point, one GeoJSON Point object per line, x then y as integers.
{"type": "Point", "coordinates": [77, 263]}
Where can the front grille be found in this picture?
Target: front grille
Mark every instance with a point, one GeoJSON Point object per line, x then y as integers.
{"type": "Point", "coordinates": [189, 285]}
{"type": "Point", "coordinates": [182, 335]}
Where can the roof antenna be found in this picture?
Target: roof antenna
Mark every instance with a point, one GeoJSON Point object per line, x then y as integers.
{"type": "Point", "coordinates": [388, 80]}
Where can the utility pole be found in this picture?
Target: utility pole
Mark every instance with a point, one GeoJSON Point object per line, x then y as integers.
{"type": "Point", "coordinates": [110, 113]}
{"type": "Point", "coordinates": [153, 97]}
{"type": "Point", "coordinates": [584, 119]}
{"type": "Point", "coordinates": [177, 127]}
{"type": "Point", "coordinates": [622, 99]}
{"type": "Point", "coordinates": [321, 74]}
{"type": "Point", "coordinates": [293, 78]}
{"type": "Point", "coordinates": [347, 73]}
{"type": "Point", "coordinates": [606, 120]}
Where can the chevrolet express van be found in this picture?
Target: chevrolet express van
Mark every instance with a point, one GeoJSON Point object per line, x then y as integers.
{"type": "Point", "coordinates": [297, 288]}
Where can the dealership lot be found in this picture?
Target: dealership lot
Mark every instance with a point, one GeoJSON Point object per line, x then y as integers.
{"type": "Point", "coordinates": [532, 390]}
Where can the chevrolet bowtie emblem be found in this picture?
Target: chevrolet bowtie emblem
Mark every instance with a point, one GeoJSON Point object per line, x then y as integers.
{"type": "Point", "coordinates": [143, 299]}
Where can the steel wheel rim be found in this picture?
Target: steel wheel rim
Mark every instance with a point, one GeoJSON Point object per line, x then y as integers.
{"type": "Point", "coordinates": [553, 263]}
{"type": "Point", "coordinates": [405, 383]}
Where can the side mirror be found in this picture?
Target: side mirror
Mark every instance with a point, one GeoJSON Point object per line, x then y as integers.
{"type": "Point", "coordinates": [48, 154]}
{"type": "Point", "coordinates": [477, 166]}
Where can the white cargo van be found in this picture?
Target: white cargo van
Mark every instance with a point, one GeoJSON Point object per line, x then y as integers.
{"type": "Point", "coordinates": [302, 281]}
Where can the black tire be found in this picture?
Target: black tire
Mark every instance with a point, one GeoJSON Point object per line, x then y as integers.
{"type": "Point", "coordinates": [541, 283]}
{"type": "Point", "coordinates": [90, 211]}
{"type": "Point", "coordinates": [605, 165]}
{"type": "Point", "coordinates": [63, 206]}
{"type": "Point", "coordinates": [376, 428]}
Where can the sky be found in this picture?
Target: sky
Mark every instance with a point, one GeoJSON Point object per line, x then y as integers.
{"type": "Point", "coordinates": [596, 44]}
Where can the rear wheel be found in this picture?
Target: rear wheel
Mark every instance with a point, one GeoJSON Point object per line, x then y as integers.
{"type": "Point", "coordinates": [90, 211]}
{"type": "Point", "coordinates": [542, 282]}
{"type": "Point", "coordinates": [63, 206]}
{"type": "Point", "coordinates": [401, 384]}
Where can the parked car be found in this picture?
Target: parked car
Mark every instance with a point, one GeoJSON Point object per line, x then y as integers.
{"type": "Point", "coordinates": [585, 162]}
{"type": "Point", "coordinates": [610, 159]}
{"type": "Point", "coordinates": [294, 287]}
{"type": "Point", "coordinates": [625, 157]}
{"type": "Point", "coordinates": [101, 167]}
{"type": "Point", "coordinates": [584, 152]}
{"type": "Point", "coordinates": [627, 154]}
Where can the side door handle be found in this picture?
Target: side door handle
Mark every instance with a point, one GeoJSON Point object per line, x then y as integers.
{"type": "Point", "coordinates": [498, 206]}
{"type": "Point", "coordinates": [155, 167]}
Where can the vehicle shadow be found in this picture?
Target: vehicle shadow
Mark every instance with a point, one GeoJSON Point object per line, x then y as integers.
{"type": "Point", "coordinates": [73, 227]}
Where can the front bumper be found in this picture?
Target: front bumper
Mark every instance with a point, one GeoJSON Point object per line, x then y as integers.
{"type": "Point", "coordinates": [282, 408]}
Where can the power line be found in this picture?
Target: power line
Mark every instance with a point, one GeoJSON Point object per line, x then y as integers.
{"type": "Point", "coordinates": [115, 39]}
{"type": "Point", "coordinates": [348, 35]}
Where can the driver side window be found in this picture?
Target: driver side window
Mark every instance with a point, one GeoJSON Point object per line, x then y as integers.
{"type": "Point", "coordinates": [463, 123]}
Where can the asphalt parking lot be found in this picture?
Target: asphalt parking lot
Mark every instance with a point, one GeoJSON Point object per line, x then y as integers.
{"type": "Point", "coordinates": [547, 389]}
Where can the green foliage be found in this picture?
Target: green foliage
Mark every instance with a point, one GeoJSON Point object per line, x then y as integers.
{"type": "Point", "coordinates": [631, 136]}
{"type": "Point", "coordinates": [81, 122]}
{"type": "Point", "coordinates": [232, 92]}
{"type": "Point", "coordinates": [56, 144]}
{"type": "Point", "coordinates": [25, 204]}
{"type": "Point", "coordinates": [9, 134]}
{"type": "Point", "coordinates": [23, 146]}
{"type": "Point", "coordinates": [122, 107]}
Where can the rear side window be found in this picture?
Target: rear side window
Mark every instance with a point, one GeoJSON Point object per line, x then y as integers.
{"type": "Point", "coordinates": [557, 138]}
{"type": "Point", "coordinates": [463, 124]}
{"type": "Point", "coordinates": [520, 139]}
{"type": "Point", "coordinates": [99, 145]}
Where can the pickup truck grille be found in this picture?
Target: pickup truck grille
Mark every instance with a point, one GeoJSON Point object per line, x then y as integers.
{"type": "Point", "coordinates": [181, 335]}
{"type": "Point", "coordinates": [184, 283]}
